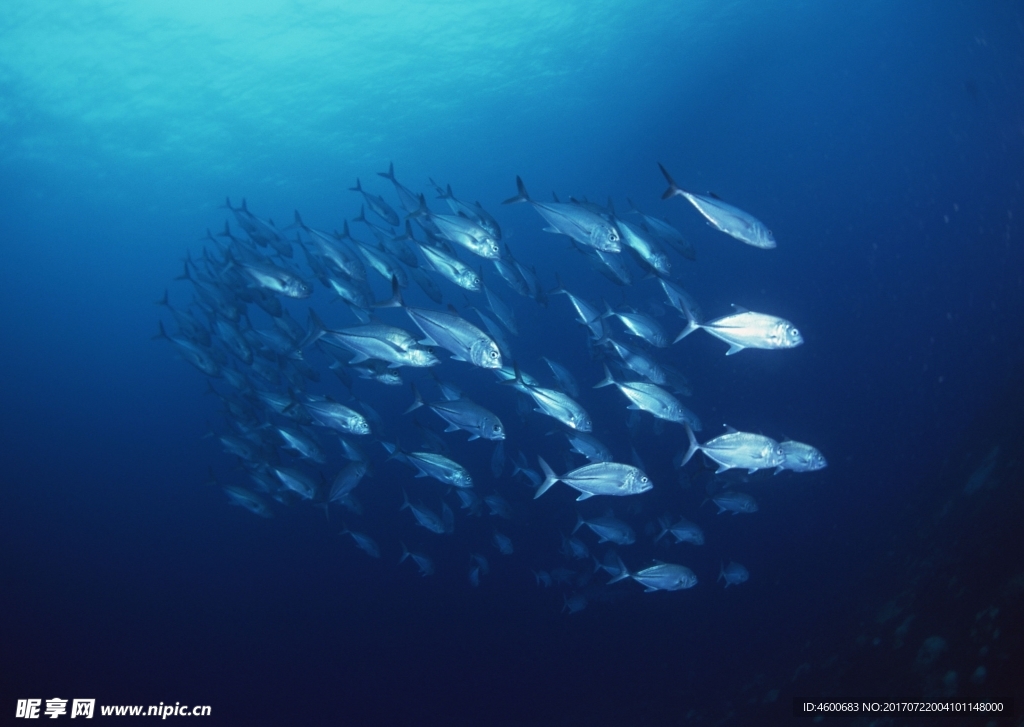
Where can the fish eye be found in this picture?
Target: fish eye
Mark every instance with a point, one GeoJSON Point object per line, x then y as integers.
{"type": "Point", "coordinates": [494, 354]}
{"type": "Point", "coordinates": [794, 332]}
{"type": "Point", "coordinates": [497, 427]}
{"type": "Point", "coordinates": [643, 479]}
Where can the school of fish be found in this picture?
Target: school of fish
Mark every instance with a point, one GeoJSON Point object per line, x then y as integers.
{"type": "Point", "coordinates": [301, 370]}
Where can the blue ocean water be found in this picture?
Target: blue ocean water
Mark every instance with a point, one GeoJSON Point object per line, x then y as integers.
{"type": "Point", "coordinates": [883, 143]}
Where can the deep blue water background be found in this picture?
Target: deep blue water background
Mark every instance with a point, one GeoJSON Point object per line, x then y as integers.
{"type": "Point", "coordinates": [884, 144]}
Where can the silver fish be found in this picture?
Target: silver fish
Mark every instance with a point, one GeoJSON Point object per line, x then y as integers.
{"type": "Point", "coordinates": [451, 268]}
{"type": "Point", "coordinates": [641, 326]}
{"type": "Point", "coordinates": [666, 233]}
{"type": "Point", "coordinates": [347, 480]}
{"type": "Point", "coordinates": [336, 416]}
{"type": "Point", "coordinates": [733, 574]}
{"type": "Point", "coordinates": [364, 542]}
{"type": "Point", "coordinates": [683, 531]}
{"type": "Point", "coordinates": [502, 543]}
{"type": "Point", "coordinates": [588, 446]}
{"type": "Point", "coordinates": [600, 478]}
{"type": "Point", "coordinates": [275, 278]}
{"type": "Point", "coordinates": [424, 516]}
{"type": "Point", "coordinates": [473, 211]}
{"type": "Point", "coordinates": [608, 529]}
{"type": "Point", "coordinates": [384, 343]}
{"type": "Point", "coordinates": [587, 314]}
{"type": "Point", "coordinates": [376, 203]}
{"type": "Point", "coordinates": [425, 564]}
{"type": "Point", "coordinates": [296, 482]}
{"type": "Point", "coordinates": [652, 399]}
{"type": "Point", "coordinates": [660, 577]}
{"type": "Point", "coordinates": [406, 196]}
{"type": "Point", "coordinates": [579, 223]}
{"type": "Point", "coordinates": [434, 465]}
{"type": "Point", "coordinates": [464, 414]}
{"type": "Point", "coordinates": [250, 501]}
{"type": "Point", "coordinates": [730, 220]}
{"type": "Point", "coordinates": [735, 502]}
{"type": "Point", "coordinates": [305, 446]}
{"type": "Point", "coordinates": [566, 381]}
{"type": "Point", "coordinates": [463, 231]}
{"type": "Point", "coordinates": [451, 332]}
{"type": "Point", "coordinates": [746, 329]}
{"type": "Point", "coordinates": [742, 450]}
{"type": "Point", "coordinates": [334, 251]}
{"type": "Point", "coordinates": [648, 250]}
{"type": "Point", "coordinates": [800, 457]}
{"type": "Point", "coordinates": [638, 362]}
{"type": "Point", "coordinates": [555, 404]}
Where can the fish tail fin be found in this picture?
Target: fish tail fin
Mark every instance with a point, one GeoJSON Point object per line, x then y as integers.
{"type": "Point", "coordinates": [664, 523]}
{"type": "Point", "coordinates": [344, 231]}
{"type": "Point", "coordinates": [162, 333]}
{"type": "Point", "coordinates": [417, 400]}
{"type": "Point", "coordinates": [608, 312]}
{"type": "Point", "coordinates": [390, 173]}
{"type": "Point", "coordinates": [163, 300]}
{"type": "Point", "coordinates": [405, 501]}
{"type": "Point", "coordinates": [362, 215]}
{"type": "Point", "coordinates": [673, 188]}
{"type": "Point", "coordinates": [579, 523]}
{"type": "Point", "coordinates": [693, 446]}
{"type": "Point", "coordinates": [559, 288]}
{"type": "Point", "coordinates": [623, 571]}
{"type": "Point", "coordinates": [359, 187]}
{"type": "Point", "coordinates": [691, 322]}
{"type": "Point", "coordinates": [227, 204]}
{"type": "Point", "coordinates": [407, 235]}
{"type": "Point", "coordinates": [721, 573]}
{"type": "Point", "coordinates": [405, 552]}
{"type": "Point", "coordinates": [395, 301]}
{"type": "Point", "coordinates": [522, 195]}
{"type": "Point", "coordinates": [422, 210]}
{"type": "Point", "coordinates": [185, 275]}
{"type": "Point", "coordinates": [549, 478]}
{"type": "Point", "coordinates": [608, 379]}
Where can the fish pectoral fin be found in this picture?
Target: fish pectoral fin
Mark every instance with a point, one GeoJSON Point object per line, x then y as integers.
{"type": "Point", "coordinates": [584, 496]}
{"type": "Point", "coordinates": [734, 348]}
{"type": "Point", "coordinates": [634, 407]}
{"type": "Point", "coordinates": [452, 428]}
{"type": "Point", "coordinates": [650, 589]}
{"type": "Point", "coordinates": [752, 470]}
{"type": "Point", "coordinates": [359, 358]}
{"type": "Point", "coordinates": [475, 436]}
{"type": "Point", "coordinates": [422, 474]}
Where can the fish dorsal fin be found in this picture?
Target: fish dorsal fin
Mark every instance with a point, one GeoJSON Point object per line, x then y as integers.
{"type": "Point", "coordinates": [712, 195]}
{"type": "Point", "coordinates": [730, 430]}
{"type": "Point", "coordinates": [739, 308]}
